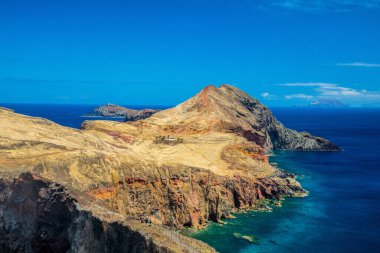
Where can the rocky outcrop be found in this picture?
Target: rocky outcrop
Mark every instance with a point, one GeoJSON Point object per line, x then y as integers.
{"type": "Point", "coordinates": [267, 131]}
{"type": "Point", "coordinates": [140, 114]}
{"type": "Point", "coordinates": [111, 110]}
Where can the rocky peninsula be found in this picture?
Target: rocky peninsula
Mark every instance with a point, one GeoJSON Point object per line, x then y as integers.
{"type": "Point", "coordinates": [124, 186]}
{"type": "Point", "coordinates": [117, 111]}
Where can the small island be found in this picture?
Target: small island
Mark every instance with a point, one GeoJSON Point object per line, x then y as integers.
{"type": "Point", "coordinates": [117, 111]}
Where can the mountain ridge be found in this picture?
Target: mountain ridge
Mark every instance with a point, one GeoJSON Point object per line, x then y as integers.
{"type": "Point", "coordinates": [229, 109]}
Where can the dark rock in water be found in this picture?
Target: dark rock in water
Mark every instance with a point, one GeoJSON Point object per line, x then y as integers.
{"type": "Point", "coordinates": [111, 110]}
{"type": "Point", "coordinates": [274, 242]}
{"type": "Point", "coordinates": [248, 238]}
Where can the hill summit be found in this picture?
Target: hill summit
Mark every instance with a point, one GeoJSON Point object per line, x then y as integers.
{"type": "Point", "coordinates": [229, 109]}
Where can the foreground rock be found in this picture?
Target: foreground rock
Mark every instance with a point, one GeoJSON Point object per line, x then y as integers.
{"type": "Point", "coordinates": [111, 110]}
{"type": "Point", "coordinates": [200, 161]}
{"type": "Point", "coordinates": [37, 215]}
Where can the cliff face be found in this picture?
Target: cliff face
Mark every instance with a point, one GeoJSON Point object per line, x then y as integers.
{"type": "Point", "coordinates": [111, 110]}
{"type": "Point", "coordinates": [182, 196]}
{"type": "Point", "coordinates": [40, 216]}
{"type": "Point", "coordinates": [185, 166]}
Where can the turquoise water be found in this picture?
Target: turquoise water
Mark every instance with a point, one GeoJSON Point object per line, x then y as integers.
{"type": "Point", "coordinates": [342, 212]}
{"type": "Point", "coordinates": [286, 229]}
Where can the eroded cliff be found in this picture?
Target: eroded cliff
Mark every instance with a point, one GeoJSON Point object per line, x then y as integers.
{"type": "Point", "coordinates": [37, 215]}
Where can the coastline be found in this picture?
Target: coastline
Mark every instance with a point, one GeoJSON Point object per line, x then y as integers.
{"type": "Point", "coordinates": [263, 206]}
{"type": "Point", "coordinates": [218, 170]}
{"type": "Point", "coordinates": [215, 231]}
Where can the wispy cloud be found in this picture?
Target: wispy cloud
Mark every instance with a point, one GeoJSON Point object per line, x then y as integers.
{"type": "Point", "coordinates": [359, 64]}
{"type": "Point", "coordinates": [310, 84]}
{"type": "Point", "coordinates": [79, 97]}
{"type": "Point", "coordinates": [299, 96]}
{"type": "Point", "coordinates": [267, 95]}
{"type": "Point", "coordinates": [323, 5]}
{"type": "Point", "coordinates": [334, 91]}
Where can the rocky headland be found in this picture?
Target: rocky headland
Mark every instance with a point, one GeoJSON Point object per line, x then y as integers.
{"type": "Point", "coordinates": [88, 190]}
{"type": "Point", "coordinates": [117, 111]}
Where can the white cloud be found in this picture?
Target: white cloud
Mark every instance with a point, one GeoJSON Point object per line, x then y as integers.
{"type": "Point", "coordinates": [359, 64]}
{"type": "Point", "coordinates": [311, 84]}
{"type": "Point", "coordinates": [323, 5]}
{"type": "Point", "coordinates": [338, 91]}
{"type": "Point", "coordinates": [298, 96]}
{"type": "Point", "coordinates": [335, 91]}
{"type": "Point", "coordinates": [267, 95]}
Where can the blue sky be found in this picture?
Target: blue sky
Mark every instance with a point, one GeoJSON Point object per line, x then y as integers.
{"type": "Point", "coordinates": [284, 52]}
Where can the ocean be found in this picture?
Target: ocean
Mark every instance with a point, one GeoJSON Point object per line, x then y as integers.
{"type": "Point", "coordinates": [342, 211]}
{"type": "Point", "coordinates": [67, 115]}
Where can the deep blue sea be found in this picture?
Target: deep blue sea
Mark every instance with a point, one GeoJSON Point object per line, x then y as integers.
{"type": "Point", "coordinates": [342, 211]}
{"type": "Point", "coordinates": [66, 115]}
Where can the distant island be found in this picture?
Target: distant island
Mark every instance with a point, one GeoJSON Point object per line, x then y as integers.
{"type": "Point", "coordinates": [327, 103]}
{"type": "Point", "coordinates": [132, 184]}
{"type": "Point", "coordinates": [117, 111]}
